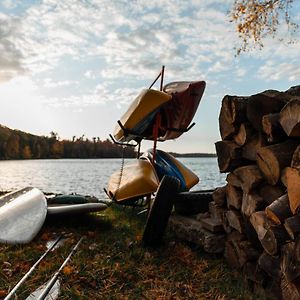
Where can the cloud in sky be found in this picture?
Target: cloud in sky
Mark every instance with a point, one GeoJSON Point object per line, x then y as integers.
{"type": "Point", "coordinates": [84, 55]}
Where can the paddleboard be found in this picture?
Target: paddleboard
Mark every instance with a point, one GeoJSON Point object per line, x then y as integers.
{"type": "Point", "coordinates": [70, 209]}
{"type": "Point", "coordinates": [140, 115]}
{"type": "Point", "coordinates": [22, 214]}
{"type": "Point", "coordinates": [178, 113]}
{"type": "Point", "coordinates": [138, 179]}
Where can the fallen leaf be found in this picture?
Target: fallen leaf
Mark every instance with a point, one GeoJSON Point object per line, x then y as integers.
{"type": "Point", "coordinates": [68, 270]}
{"type": "Point", "coordinates": [3, 293]}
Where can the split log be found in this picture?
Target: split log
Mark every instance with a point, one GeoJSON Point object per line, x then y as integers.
{"type": "Point", "coordinates": [296, 159]}
{"type": "Point", "coordinates": [293, 188]}
{"type": "Point", "coordinates": [234, 197]}
{"type": "Point", "coordinates": [297, 249]}
{"type": "Point", "coordinates": [252, 272]}
{"type": "Point", "coordinates": [250, 177]}
{"type": "Point", "coordinates": [292, 226]}
{"type": "Point", "coordinates": [236, 236]}
{"type": "Point", "coordinates": [244, 134]}
{"type": "Point", "coordinates": [265, 103]}
{"type": "Point", "coordinates": [219, 196]}
{"type": "Point", "coordinates": [235, 220]}
{"type": "Point", "coordinates": [279, 210]}
{"type": "Point", "coordinates": [290, 118]}
{"type": "Point", "coordinates": [215, 210]}
{"type": "Point", "coordinates": [272, 128]}
{"type": "Point", "coordinates": [190, 230]}
{"type": "Point", "coordinates": [229, 156]}
{"type": "Point", "coordinates": [272, 159]}
{"type": "Point", "coordinates": [251, 203]}
{"type": "Point", "coordinates": [271, 192]}
{"type": "Point", "coordinates": [289, 265]}
{"type": "Point", "coordinates": [283, 176]}
{"type": "Point", "coordinates": [232, 179]}
{"type": "Point", "coordinates": [294, 91]}
{"type": "Point", "coordinates": [270, 264]}
{"type": "Point", "coordinates": [237, 253]}
{"type": "Point", "coordinates": [212, 225]}
{"type": "Point", "coordinates": [274, 238]}
{"type": "Point", "coordinates": [260, 223]}
{"type": "Point", "coordinates": [232, 114]}
{"type": "Point", "coordinates": [255, 143]}
{"type": "Point", "coordinates": [289, 290]}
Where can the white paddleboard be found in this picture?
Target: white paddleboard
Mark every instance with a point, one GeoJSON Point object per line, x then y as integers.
{"type": "Point", "coordinates": [22, 214]}
{"type": "Point", "coordinates": [69, 209]}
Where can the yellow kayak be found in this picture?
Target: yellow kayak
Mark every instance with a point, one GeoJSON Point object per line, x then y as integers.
{"type": "Point", "coordinates": [140, 115]}
{"type": "Point", "coordinates": [138, 179]}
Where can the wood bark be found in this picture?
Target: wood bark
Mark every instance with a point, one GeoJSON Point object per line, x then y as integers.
{"type": "Point", "coordinates": [264, 103]}
{"type": "Point", "coordinates": [270, 192]}
{"type": "Point", "coordinates": [273, 239]}
{"type": "Point", "coordinates": [260, 223]}
{"type": "Point", "coordinates": [270, 264]}
{"type": "Point", "coordinates": [232, 113]}
{"type": "Point", "coordinates": [296, 159]}
{"type": "Point", "coordinates": [293, 188]}
{"type": "Point", "coordinates": [279, 210]}
{"type": "Point", "coordinates": [289, 265]}
{"type": "Point", "coordinates": [250, 177]}
{"type": "Point", "coordinates": [292, 226]}
{"type": "Point", "coordinates": [272, 159]}
{"type": "Point", "coordinates": [235, 220]}
{"type": "Point", "coordinates": [215, 210]}
{"type": "Point", "coordinates": [251, 203]}
{"type": "Point", "coordinates": [234, 197]}
{"type": "Point", "coordinates": [290, 118]}
{"type": "Point", "coordinates": [249, 151]}
{"type": "Point", "coordinates": [272, 128]}
{"type": "Point", "coordinates": [229, 156]}
{"type": "Point", "coordinates": [244, 134]}
{"type": "Point", "coordinates": [232, 179]}
{"type": "Point", "coordinates": [219, 196]}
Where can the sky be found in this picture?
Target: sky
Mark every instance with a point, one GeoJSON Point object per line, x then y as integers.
{"type": "Point", "coordinates": [74, 66]}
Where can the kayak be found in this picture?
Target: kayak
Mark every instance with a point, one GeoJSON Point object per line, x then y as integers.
{"type": "Point", "coordinates": [137, 121]}
{"type": "Point", "coordinates": [22, 214]}
{"type": "Point", "coordinates": [178, 113]}
{"type": "Point", "coordinates": [166, 164]}
{"type": "Point", "coordinates": [138, 179]}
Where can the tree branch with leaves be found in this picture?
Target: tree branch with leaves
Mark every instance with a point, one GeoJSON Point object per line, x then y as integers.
{"type": "Point", "coordinates": [257, 19]}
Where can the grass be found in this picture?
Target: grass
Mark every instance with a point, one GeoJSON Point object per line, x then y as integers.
{"type": "Point", "coordinates": [111, 263]}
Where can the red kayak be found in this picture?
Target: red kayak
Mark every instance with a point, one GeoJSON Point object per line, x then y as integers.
{"type": "Point", "coordinates": [178, 113]}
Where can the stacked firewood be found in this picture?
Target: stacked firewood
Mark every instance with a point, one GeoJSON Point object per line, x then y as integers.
{"type": "Point", "coordinates": [259, 207]}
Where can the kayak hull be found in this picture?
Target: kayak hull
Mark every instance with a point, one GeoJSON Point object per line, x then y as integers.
{"type": "Point", "coordinates": [178, 113]}
{"type": "Point", "coordinates": [166, 164]}
{"type": "Point", "coordinates": [138, 179]}
{"type": "Point", "coordinates": [22, 214]}
{"type": "Point", "coordinates": [140, 115]}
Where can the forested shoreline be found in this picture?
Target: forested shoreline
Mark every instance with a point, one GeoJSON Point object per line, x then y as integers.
{"type": "Point", "coordinates": [16, 144]}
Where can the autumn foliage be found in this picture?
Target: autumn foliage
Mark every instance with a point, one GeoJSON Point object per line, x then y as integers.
{"type": "Point", "coordinates": [256, 19]}
{"type": "Point", "coordinates": [15, 144]}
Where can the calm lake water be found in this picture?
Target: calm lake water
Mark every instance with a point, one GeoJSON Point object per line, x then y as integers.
{"type": "Point", "coordinates": [87, 176]}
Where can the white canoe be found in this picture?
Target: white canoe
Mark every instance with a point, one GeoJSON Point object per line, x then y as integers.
{"type": "Point", "coordinates": [69, 209]}
{"type": "Point", "coordinates": [22, 214]}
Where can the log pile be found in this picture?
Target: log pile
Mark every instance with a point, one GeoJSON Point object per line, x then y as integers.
{"type": "Point", "coordinates": [259, 208]}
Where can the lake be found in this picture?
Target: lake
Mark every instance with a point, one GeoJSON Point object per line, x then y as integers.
{"type": "Point", "coordinates": [88, 176]}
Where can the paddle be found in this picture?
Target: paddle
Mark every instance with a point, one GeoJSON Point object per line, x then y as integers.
{"type": "Point", "coordinates": [13, 291]}
{"type": "Point", "coordinates": [51, 283]}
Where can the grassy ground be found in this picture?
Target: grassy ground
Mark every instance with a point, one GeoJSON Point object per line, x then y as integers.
{"type": "Point", "coordinates": [112, 264]}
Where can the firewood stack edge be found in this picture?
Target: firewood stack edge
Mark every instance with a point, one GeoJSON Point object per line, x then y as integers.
{"type": "Point", "coordinates": [257, 213]}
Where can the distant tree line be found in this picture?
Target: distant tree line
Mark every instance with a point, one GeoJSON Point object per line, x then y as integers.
{"type": "Point", "coordinates": [15, 144]}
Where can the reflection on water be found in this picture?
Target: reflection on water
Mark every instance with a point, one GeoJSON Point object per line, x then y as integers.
{"type": "Point", "coordinates": [87, 176]}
